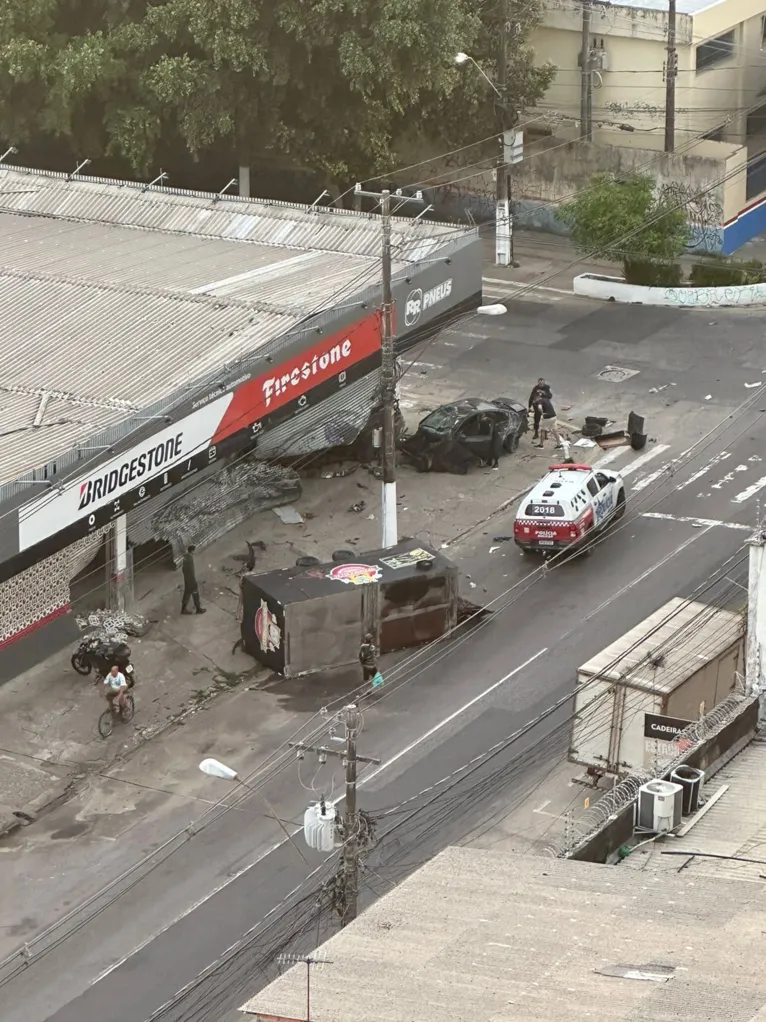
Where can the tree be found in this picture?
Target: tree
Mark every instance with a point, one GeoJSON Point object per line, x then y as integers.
{"type": "Point", "coordinates": [329, 85]}
{"type": "Point", "coordinates": [627, 220]}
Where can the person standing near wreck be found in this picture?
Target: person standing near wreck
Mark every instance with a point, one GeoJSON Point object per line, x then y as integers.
{"type": "Point", "coordinates": [542, 389]}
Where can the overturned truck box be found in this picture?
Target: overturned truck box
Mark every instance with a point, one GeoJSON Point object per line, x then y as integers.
{"type": "Point", "coordinates": [638, 694]}
{"type": "Point", "coordinates": [302, 620]}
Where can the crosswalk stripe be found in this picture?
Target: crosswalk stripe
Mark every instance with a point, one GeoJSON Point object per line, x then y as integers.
{"type": "Point", "coordinates": [644, 459]}
{"type": "Point", "coordinates": [705, 469]}
{"type": "Point", "coordinates": [699, 522]}
{"type": "Point", "coordinates": [750, 491]}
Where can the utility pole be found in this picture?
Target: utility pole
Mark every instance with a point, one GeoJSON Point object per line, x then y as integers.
{"type": "Point", "coordinates": [671, 71]}
{"type": "Point", "coordinates": [390, 536]}
{"type": "Point", "coordinates": [352, 845]}
{"type": "Point", "coordinates": [502, 202]}
{"type": "Point", "coordinates": [586, 88]}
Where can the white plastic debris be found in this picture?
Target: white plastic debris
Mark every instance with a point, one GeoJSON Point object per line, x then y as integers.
{"type": "Point", "coordinates": [708, 397]}
{"type": "Point", "coordinates": [288, 515]}
{"type": "Point", "coordinates": [584, 442]}
{"type": "Point", "coordinates": [493, 548]}
{"type": "Point", "coordinates": [751, 385]}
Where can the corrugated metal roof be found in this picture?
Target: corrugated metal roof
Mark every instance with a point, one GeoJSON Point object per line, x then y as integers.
{"type": "Point", "coordinates": [683, 634]}
{"type": "Point", "coordinates": [102, 352]}
{"type": "Point", "coordinates": [279, 224]}
{"type": "Point", "coordinates": [499, 937]}
{"type": "Point", "coordinates": [258, 274]}
{"type": "Point", "coordinates": [97, 271]}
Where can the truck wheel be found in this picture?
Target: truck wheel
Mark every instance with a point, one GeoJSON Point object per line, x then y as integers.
{"type": "Point", "coordinates": [619, 510]}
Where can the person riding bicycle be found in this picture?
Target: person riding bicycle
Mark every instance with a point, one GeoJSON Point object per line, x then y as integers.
{"type": "Point", "coordinates": [116, 687]}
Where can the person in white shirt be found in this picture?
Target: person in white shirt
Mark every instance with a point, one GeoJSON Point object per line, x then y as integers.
{"type": "Point", "coordinates": [116, 687]}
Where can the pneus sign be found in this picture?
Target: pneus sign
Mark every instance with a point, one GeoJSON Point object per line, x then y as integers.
{"type": "Point", "coordinates": [419, 301]}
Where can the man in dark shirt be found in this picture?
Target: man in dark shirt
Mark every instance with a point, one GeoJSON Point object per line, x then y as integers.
{"type": "Point", "coordinates": [368, 658]}
{"type": "Point", "coordinates": [495, 445]}
{"type": "Point", "coordinates": [540, 389]}
{"type": "Point", "coordinates": [548, 421]}
{"type": "Point", "coordinates": [191, 592]}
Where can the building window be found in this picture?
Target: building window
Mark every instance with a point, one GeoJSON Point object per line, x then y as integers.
{"type": "Point", "coordinates": [715, 51]}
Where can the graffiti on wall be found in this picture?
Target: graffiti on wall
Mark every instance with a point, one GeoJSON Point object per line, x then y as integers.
{"type": "Point", "coordinates": [715, 297]}
{"type": "Point", "coordinates": [704, 214]}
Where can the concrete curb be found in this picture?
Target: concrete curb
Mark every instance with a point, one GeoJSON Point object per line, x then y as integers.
{"type": "Point", "coordinates": [614, 289]}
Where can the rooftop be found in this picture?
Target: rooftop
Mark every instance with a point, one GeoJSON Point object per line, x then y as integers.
{"type": "Point", "coordinates": [727, 842]}
{"type": "Point", "coordinates": [655, 655]}
{"type": "Point", "coordinates": [510, 938]}
{"type": "Point", "coordinates": [93, 272]}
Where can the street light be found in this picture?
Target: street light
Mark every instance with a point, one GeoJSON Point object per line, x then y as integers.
{"type": "Point", "coordinates": [503, 208]}
{"type": "Point", "coordinates": [464, 58]}
{"type": "Point", "coordinates": [214, 768]}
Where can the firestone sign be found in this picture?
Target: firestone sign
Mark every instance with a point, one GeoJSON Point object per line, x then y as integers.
{"type": "Point", "coordinates": [219, 425]}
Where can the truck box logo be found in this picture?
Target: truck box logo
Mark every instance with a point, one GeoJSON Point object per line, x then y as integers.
{"type": "Point", "coordinates": [418, 301]}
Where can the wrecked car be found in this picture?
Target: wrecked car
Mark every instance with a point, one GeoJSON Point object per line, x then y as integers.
{"type": "Point", "coordinates": [457, 436]}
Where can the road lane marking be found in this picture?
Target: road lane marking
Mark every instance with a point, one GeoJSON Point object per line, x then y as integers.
{"type": "Point", "coordinates": [704, 470]}
{"type": "Point", "coordinates": [643, 459]}
{"type": "Point", "coordinates": [610, 456]}
{"type": "Point", "coordinates": [525, 287]}
{"type": "Point", "coordinates": [701, 523]}
{"type": "Point", "coordinates": [452, 716]}
{"type": "Point", "coordinates": [644, 481]}
{"type": "Point", "coordinates": [750, 491]}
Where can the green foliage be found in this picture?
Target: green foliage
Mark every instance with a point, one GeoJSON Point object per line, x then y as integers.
{"type": "Point", "coordinates": [625, 220]}
{"type": "Point", "coordinates": [723, 273]}
{"type": "Point", "coordinates": [327, 85]}
{"type": "Point", "coordinates": [652, 274]}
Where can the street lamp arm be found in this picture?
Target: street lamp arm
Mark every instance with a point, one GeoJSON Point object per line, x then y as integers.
{"type": "Point", "coordinates": [463, 57]}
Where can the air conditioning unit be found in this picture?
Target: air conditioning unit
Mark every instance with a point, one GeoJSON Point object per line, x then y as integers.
{"type": "Point", "coordinates": [659, 808]}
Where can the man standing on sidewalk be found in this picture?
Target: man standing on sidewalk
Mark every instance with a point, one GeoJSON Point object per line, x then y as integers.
{"type": "Point", "coordinates": [548, 421]}
{"type": "Point", "coordinates": [191, 592]}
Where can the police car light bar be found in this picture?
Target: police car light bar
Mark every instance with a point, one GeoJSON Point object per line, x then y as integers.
{"type": "Point", "coordinates": [569, 468]}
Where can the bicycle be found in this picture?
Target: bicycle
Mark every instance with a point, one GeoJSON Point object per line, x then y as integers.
{"type": "Point", "coordinates": [112, 713]}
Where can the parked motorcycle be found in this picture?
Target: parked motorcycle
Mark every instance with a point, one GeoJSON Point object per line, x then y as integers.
{"type": "Point", "coordinates": [99, 655]}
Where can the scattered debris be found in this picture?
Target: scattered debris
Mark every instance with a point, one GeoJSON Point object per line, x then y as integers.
{"type": "Point", "coordinates": [502, 539]}
{"type": "Point", "coordinates": [708, 397]}
{"type": "Point", "coordinates": [111, 624]}
{"type": "Point", "coordinates": [751, 385]}
{"type": "Point", "coordinates": [358, 507]}
{"type": "Point", "coordinates": [370, 518]}
{"type": "Point", "coordinates": [493, 548]}
{"type": "Point", "coordinates": [288, 515]}
{"type": "Point", "coordinates": [585, 442]}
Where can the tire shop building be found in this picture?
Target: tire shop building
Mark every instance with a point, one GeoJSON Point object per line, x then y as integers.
{"type": "Point", "coordinates": [152, 334]}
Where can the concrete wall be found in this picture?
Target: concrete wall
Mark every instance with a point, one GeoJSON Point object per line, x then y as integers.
{"type": "Point", "coordinates": [555, 169]}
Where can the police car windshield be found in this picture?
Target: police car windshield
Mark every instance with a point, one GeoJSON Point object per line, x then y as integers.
{"type": "Point", "coordinates": [544, 511]}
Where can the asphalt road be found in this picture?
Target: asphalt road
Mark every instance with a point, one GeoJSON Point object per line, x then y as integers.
{"type": "Point", "coordinates": [484, 689]}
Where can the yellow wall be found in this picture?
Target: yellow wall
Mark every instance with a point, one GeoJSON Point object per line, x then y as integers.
{"type": "Point", "coordinates": [632, 91]}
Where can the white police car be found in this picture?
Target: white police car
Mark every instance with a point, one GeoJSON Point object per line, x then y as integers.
{"type": "Point", "coordinates": [568, 507]}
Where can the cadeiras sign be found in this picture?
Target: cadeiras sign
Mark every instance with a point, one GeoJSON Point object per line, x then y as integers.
{"type": "Point", "coordinates": [220, 424]}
